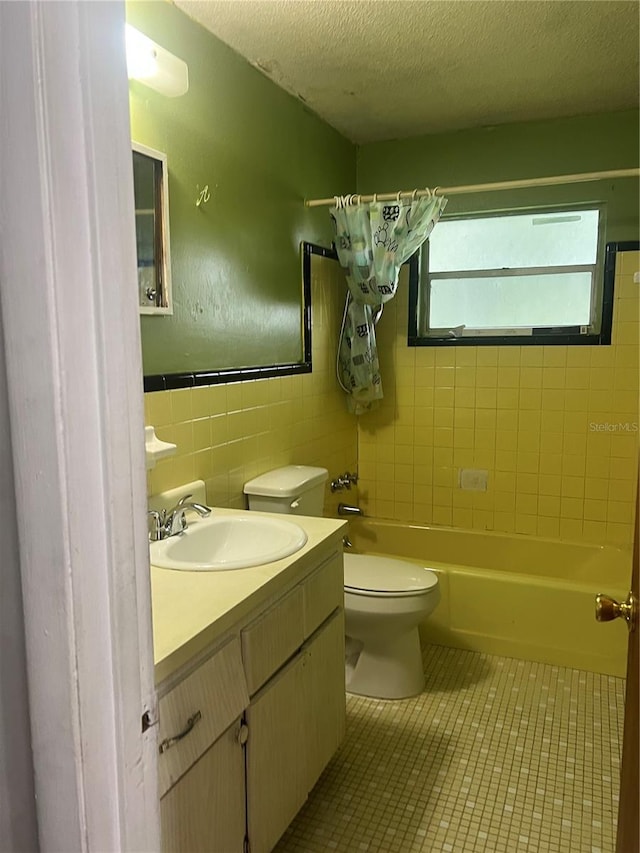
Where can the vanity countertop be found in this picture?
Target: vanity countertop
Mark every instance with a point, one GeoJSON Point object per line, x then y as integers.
{"type": "Point", "coordinates": [192, 609]}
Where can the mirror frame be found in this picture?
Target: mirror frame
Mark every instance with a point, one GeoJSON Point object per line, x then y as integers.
{"type": "Point", "coordinates": [164, 237]}
{"type": "Point", "coordinates": [171, 381]}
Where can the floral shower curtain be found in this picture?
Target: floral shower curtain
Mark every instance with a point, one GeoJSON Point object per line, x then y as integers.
{"type": "Point", "coordinates": [372, 242]}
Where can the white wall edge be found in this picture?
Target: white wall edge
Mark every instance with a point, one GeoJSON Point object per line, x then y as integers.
{"type": "Point", "coordinates": [68, 295]}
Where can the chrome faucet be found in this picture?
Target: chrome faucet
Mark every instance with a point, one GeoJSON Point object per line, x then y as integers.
{"type": "Point", "coordinates": [173, 522]}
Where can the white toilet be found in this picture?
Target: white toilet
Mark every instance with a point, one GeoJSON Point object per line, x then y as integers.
{"type": "Point", "coordinates": [385, 599]}
{"type": "Point", "coordinates": [384, 602]}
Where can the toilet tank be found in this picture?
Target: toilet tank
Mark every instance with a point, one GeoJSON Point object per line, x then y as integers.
{"type": "Point", "coordinates": [295, 489]}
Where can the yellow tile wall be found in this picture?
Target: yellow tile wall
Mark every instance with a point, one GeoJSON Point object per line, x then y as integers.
{"type": "Point", "coordinates": [227, 434]}
{"type": "Point", "coordinates": [522, 413]}
{"type": "Point", "coordinates": [525, 414]}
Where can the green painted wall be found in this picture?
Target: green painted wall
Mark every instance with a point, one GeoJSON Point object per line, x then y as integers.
{"type": "Point", "coordinates": [512, 152]}
{"type": "Point", "coordinates": [235, 262]}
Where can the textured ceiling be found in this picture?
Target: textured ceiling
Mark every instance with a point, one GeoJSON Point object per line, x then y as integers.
{"type": "Point", "coordinates": [386, 69]}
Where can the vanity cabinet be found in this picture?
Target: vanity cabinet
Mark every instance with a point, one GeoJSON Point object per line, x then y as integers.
{"type": "Point", "coordinates": [198, 709]}
{"type": "Point", "coordinates": [201, 763]}
{"type": "Point", "coordinates": [206, 810]}
{"type": "Point", "coordinates": [325, 723]}
{"type": "Point", "coordinates": [246, 731]}
{"type": "Point", "coordinates": [296, 723]}
{"type": "Point", "coordinates": [276, 785]}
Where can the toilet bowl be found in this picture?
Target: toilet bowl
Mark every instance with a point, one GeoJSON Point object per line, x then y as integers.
{"type": "Point", "coordinates": [385, 599]}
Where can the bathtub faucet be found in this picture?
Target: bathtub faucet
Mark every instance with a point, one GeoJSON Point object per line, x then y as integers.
{"type": "Point", "coordinates": [344, 481]}
{"type": "Point", "coordinates": [346, 509]}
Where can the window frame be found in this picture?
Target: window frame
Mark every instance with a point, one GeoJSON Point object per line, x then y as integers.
{"type": "Point", "coordinates": [601, 293]}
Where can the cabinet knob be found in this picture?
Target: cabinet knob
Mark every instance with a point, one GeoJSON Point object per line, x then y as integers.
{"type": "Point", "coordinates": [243, 734]}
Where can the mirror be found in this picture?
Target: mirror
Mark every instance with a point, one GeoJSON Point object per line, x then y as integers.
{"type": "Point", "coordinates": [151, 194]}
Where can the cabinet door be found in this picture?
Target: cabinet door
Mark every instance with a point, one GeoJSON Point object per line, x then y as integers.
{"type": "Point", "coordinates": [204, 812]}
{"type": "Point", "coordinates": [276, 767]}
{"type": "Point", "coordinates": [325, 724]}
{"type": "Point", "coordinates": [323, 592]}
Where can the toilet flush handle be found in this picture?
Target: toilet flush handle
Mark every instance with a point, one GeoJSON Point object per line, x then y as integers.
{"type": "Point", "coordinates": [294, 504]}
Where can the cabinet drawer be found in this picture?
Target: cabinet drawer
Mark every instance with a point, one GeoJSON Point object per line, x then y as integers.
{"type": "Point", "coordinates": [323, 592]}
{"type": "Point", "coordinates": [207, 702]}
{"type": "Point", "coordinates": [205, 810]}
{"type": "Point", "coordinates": [272, 638]}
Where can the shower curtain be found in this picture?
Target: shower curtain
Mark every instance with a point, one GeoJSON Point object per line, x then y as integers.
{"type": "Point", "coordinates": [372, 242]}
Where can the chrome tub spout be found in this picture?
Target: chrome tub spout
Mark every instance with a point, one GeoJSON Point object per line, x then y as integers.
{"type": "Point", "coordinates": [347, 509]}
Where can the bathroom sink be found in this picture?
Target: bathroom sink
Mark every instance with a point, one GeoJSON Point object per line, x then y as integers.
{"type": "Point", "coordinates": [228, 542]}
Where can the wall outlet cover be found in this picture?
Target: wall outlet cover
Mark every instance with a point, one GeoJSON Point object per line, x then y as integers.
{"type": "Point", "coordinates": [473, 479]}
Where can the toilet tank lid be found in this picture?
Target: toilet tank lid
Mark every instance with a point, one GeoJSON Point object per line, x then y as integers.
{"type": "Point", "coordinates": [386, 574]}
{"type": "Point", "coordinates": [286, 482]}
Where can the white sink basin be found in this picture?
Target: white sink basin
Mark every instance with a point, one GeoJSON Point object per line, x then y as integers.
{"type": "Point", "coordinates": [228, 542]}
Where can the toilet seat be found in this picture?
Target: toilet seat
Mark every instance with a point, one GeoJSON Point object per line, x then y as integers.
{"type": "Point", "coordinates": [386, 577]}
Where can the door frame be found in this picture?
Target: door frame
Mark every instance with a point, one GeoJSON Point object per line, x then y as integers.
{"type": "Point", "coordinates": [74, 376]}
{"type": "Point", "coordinates": [628, 832]}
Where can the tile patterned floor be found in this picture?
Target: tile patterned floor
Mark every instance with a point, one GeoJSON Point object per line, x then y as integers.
{"type": "Point", "coordinates": [496, 756]}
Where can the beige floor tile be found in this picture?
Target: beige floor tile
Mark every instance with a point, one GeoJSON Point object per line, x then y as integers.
{"type": "Point", "coordinates": [496, 755]}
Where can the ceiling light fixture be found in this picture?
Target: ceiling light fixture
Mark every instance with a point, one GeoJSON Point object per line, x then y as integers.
{"type": "Point", "coordinates": [153, 65]}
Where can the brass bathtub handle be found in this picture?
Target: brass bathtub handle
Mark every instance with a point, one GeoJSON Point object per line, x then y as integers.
{"type": "Point", "coordinates": [168, 742]}
{"type": "Point", "coordinates": [608, 608]}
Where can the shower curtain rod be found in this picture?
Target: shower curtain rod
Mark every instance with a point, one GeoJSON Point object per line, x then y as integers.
{"type": "Point", "coordinates": [482, 188]}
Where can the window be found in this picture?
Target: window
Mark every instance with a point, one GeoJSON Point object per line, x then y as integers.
{"type": "Point", "coordinates": [527, 277]}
